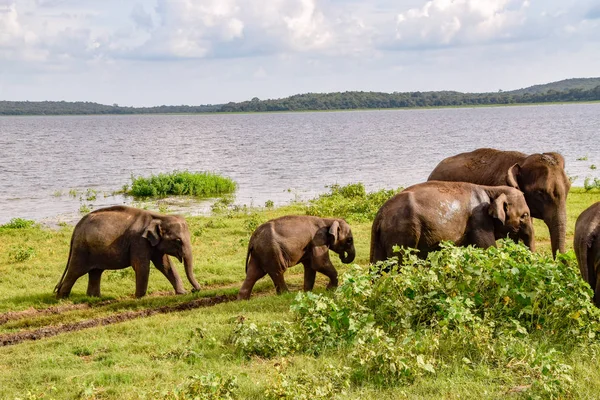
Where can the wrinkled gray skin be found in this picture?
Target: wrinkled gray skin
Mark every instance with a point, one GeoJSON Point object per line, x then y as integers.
{"type": "Point", "coordinates": [541, 178]}
{"type": "Point", "coordinates": [423, 215]}
{"type": "Point", "coordinates": [119, 237]}
{"type": "Point", "coordinates": [587, 247]}
{"type": "Point", "coordinates": [284, 242]}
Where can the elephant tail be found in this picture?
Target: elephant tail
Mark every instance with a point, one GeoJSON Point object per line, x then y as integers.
{"type": "Point", "coordinates": [60, 282]}
{"type": "Point", "coordinates": [375, 254]}
{"type": "Point", "coordinates": [250, 248]}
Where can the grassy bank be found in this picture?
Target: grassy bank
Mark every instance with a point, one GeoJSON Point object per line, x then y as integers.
{"type": "Point", "coordinates": [178, 354]}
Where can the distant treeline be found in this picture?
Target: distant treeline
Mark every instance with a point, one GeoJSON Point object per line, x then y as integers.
{"type": "Point", "coordinates": [314, 101]}
{"type": "Point", "coordinates": [83, 108]}
{"type": "Point", "coordinates": [378, 100]}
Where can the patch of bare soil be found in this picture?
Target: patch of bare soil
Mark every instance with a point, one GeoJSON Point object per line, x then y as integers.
{"type": "Point", "coordinates": [34, 312]}
{"type": "Point", "coordinates": [49, 331]}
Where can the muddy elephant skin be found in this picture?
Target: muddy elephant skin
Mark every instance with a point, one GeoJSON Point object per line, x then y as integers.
{"type": "Point", "coordinates": [541, 178]}
{"type": "Point", "coordinates": [587, 247]}
{"type": "Point", "coordinates": [423, 215]}
{"type": "Point", "coordinates": [284, 242]}
{"type": "Point", "coordinates": [119, 237]}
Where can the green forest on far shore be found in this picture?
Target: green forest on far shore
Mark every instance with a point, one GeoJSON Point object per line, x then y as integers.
{"type": "Point", "coordinates": [569, 90]}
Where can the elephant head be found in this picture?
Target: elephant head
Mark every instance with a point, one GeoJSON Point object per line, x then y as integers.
{"type": "Point", "coordinates": [341, 241]}
{"type": "Point", "coordinates": [512, 218]}
{"type": "Point", "coordinates": [170, 235]}
{"type": "Point", "coordinates": [543, 181]}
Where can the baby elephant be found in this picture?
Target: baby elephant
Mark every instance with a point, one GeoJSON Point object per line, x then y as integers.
{"type": "Point", "coordinates": [587, 247]}
{"type": "Point", "coordinates": [284, 242]}
{"type": "Point", "coordinates": [423, 215]}
{"type": "Point", "coordinates": [119, 237]}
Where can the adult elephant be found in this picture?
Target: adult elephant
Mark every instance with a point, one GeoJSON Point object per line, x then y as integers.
{"type": "Point", "coordinates": [587, 247]}
{"type": "Point", "coordinates": [541, 178]}
{"type": "Point", "coordinates": [423, 215]}
{"type": "Point", "coordinates": [284, 242]}
{"type": "Point", "coordinates": [119, 237]}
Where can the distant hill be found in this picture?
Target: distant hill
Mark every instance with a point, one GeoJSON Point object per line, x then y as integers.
{"type": "Point", "coordinates": [568, 90]}
{"type": "Point", "coordinates": [565, 84]}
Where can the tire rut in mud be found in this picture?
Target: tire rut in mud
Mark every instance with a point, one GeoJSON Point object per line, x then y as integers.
{"type": "Point", "coordinates": [49, 331]}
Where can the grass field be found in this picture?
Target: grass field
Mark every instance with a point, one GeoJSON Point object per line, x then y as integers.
{"type": "Point", "coordinates": [190, 352]}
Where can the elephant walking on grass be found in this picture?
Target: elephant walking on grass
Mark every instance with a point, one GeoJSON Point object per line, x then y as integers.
{"type": "Point", "coordinates": [541, 178]}
{"type": "Point", "coordinates": [423, 215]}
{"type": "Point", "coordinates": [119, 237]}
{"type": "Point", "coordinates": [587, 247]}
{"type": "Point", "coordinates": [284, 242]}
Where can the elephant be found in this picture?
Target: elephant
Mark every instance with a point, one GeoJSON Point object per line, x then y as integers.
{"type": "Point", "coordinates": [118, 237]}
{"type": "Point", "coordinates": [284, 242]}
{"type": "Point", "coordinates": [541, 178]}
{"type": "Point", "coordinates": [423, 215]}
{"type": "Point", "coordinates": [587, 247]}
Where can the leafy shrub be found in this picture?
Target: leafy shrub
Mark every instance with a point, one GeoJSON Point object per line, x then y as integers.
{"type": "Point", "coordinates": [18, 223]}
{"type": "Point", "coordinates": [589, 184]}
{"type": "Point", "coordinates": [21, 253]}
{"type": "Point", "coordinates": [205, 387]}
{"type": "Point", "coordinates": [350, 202]}
{"type": "Point", "coordinates": [200, 184]}
{"type": "Point", "coordinates": [322, 384]}
{"type": "Point", "coordinates": [252, 222]}
{"type": "Point", "coordinates": [467, 305]}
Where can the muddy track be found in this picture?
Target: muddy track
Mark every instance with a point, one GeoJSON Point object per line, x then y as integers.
{"type": "Point", "coordinates": [49, 331]}
{"type": "Point", "coordinates": [53, 310]}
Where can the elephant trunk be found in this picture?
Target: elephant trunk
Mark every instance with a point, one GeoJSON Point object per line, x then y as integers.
{"type": "Point", "coordinates": [528, 237]}
{"type": "Point", "coordinates": [557, 225]}
{"type": "Point", "coordinates": [347, 256]}
{"type": "Point", "coordinates": [188, 264]}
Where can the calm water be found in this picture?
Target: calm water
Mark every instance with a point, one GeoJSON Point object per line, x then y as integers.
{"type": "Point", "coordinates": [275, 157]}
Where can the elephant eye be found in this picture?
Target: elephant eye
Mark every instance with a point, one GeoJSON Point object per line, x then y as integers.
{"type": "Point", "coordinates": [179, 241]}
{"type": "Point", "coordinates": [526, 215]}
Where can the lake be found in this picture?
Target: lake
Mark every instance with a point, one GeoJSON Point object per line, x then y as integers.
{"type": "Point", "coordinates": [278, 156]}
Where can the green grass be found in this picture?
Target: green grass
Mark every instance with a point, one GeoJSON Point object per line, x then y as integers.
{"type": "Point", "coordinates": [198, 184]}
{"type": "Point", "coordinates": [152, 357]}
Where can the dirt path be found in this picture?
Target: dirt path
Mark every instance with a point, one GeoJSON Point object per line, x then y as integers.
{"type": "Point", "coordinates": [53, 310]}
{"type": "Point", "coordinates": [49, 331]}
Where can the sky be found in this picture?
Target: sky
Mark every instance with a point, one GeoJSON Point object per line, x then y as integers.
{"type": "Point", "coordinates": [155, 52]}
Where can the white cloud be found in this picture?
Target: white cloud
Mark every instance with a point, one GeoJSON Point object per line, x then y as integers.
{"type": "Point", "coordinates": [451, 22]}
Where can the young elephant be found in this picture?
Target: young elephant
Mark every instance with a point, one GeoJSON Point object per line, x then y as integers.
{"type": "Point", "coordinates": [119, 237]}
{"type": "Point", "coordinates": [284, 242]}
{"type": "Point", "coordinates": [423, 215]}
{"type": "Point", "coordinates": [587, 247]}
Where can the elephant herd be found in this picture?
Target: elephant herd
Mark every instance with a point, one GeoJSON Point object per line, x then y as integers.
{"type": "Point", "coordinates": [472, 198]}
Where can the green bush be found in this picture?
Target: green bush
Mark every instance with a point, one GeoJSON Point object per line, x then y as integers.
{"type": "Point", "coordinates": [200, 184]}
{"type": "Point", "coordinates": [468, 306]}
{"type": "Point", "coordinates": [206, 387]}
{"type": "Point", "coordinates": [350, 202]}
{"type": "Point", "coordinates": [18, 223]}
{"type": "Point", "coordinates": [19, 254]}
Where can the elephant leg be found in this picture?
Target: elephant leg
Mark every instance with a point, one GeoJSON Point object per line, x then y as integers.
{"type": "Point", "coordinates": [142, 273]}
{"type": "Point", "coordinates": [75, 270]}
{"type": "Point", "coordinates": [164, 265]}
{"type": "Point", "coordinates": [320, 262]}
{"type": "Point", "coordinates": [278, 281]}
{"type": "Point", "coordinates": [309, 277]}
{"type": "Point", "coordinates": [94, 282]}
{"type": "Point", "coordinates": [253, 274]}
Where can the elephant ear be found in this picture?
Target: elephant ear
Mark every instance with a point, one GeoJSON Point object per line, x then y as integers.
{"type": "Point", "coordinates": [512, 178]}
{"type": "Point", "coordinates": [499, 207]}
{"type": "Point", "coordinates": [153, 232]}
{"type": "Point", "coordinates": [334, 230]}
